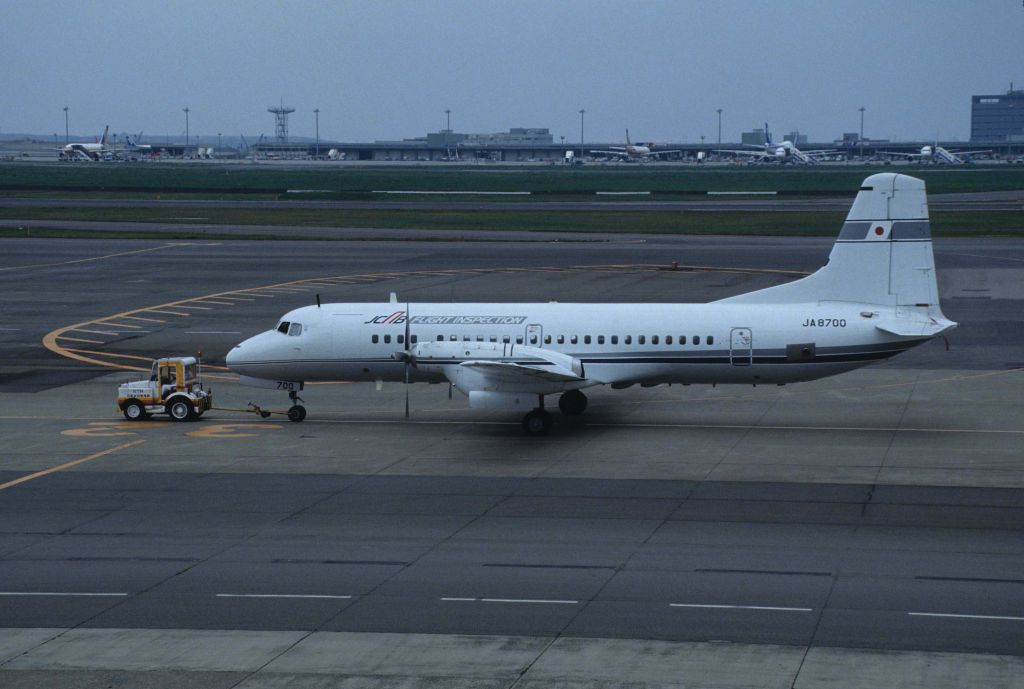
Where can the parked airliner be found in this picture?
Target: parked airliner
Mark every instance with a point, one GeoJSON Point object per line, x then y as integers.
{"type": "Point", "coordinates": [876, 297]}
{"type": "Point", "coordinates": [87, 151]}
{"type": "Point", "coordinates": [937, 154]}
{"type": "Point", "coordinates": [784, 152]}
{"type": "Point", "coordinates": [633, 151]}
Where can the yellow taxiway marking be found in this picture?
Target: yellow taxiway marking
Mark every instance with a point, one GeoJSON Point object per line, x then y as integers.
{"type": "Point", "coordinates": [232, 430]}
{"type": "Point", "coordinates": [95, 332]}
{"type": "Point", "coordinates": [68, 465]}
{"type": "Point", "coordinates": [169, 313]}
{"type": "Point", "coordinates": [80, 339]}
{"type": "Point", "coordinates": [211, 301]}
{"type": "Point", "coordinates": [97, 258]}
{"type": "Point", "coordinates": [234, 299]}
{"type": "Point", "coordinates": [140, 318]}
{"type": "Point", "coordinates": [193, 305]}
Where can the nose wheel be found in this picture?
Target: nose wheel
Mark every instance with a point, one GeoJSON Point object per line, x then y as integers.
{"type": "Point", "coordinates": [296, 412]}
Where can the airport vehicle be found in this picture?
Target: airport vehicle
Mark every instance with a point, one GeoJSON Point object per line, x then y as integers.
{"type": "Point", "coordinates": [634, 151]}
{"type": "Point", "coordinates": [876, 297]}
{"type": "Point", "coordinates": [87, 151]}
{"type": "Point", "coordinates": [937, 154]}
{"type": "Point", "coordinates": [784, 152]}
{"type": "Point", "coordinates": [174, 387]}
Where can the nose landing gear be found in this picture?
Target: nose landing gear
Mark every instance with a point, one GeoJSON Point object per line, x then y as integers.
{"type": "Point", "coordinates": [296, 412]}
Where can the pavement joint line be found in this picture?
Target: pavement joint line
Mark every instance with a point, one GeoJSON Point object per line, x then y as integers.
{"type": "Point", "coordinates": [282, 595]}
{"type": "Point", "coordinates": [93, 258]}
{"type": "Point", "coordinates": [1010, 618]}
{"type": "Point", "coordinates": [766, 608]}
{"type": "Point", "coordinates": [68, 465]}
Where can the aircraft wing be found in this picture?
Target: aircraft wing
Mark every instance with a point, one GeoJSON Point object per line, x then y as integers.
{"type": "Point", "coordinates": [898, 153]}
{"type": "Point", "coordinates": [509, 372]}
{"type": "Point", "coordinates": [756, 154]}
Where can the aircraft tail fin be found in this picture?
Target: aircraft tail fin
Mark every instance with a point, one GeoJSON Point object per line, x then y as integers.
{"type": "Point", "coordinates": [767, 135]}
{"type": "Point", "coordinates": [103, 140]}
{"type": "Point", "coordinates": [883, 255]}
{"type": "Point", "coordinates": [627, 137]}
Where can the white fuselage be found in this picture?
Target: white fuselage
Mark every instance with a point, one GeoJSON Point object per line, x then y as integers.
{"type": "Point", "coordinates": [618, 344]}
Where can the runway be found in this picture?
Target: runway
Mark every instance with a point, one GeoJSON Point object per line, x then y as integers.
{"type": "Point", "coordinates": [756, 527]}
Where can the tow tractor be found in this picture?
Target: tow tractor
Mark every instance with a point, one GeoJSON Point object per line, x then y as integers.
{"type": "Point", "coordinates": [175, 388]}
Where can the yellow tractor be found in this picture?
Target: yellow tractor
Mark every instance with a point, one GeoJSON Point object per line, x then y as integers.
{"type": "Point", "coordinates": [174, 387]}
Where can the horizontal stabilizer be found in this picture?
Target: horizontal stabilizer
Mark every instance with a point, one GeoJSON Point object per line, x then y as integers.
{"type": "Point", "coordinates": [906, 327]}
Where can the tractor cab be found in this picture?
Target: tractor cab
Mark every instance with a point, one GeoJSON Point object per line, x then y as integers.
{"type": "Point", "coordinates": [174, 387]}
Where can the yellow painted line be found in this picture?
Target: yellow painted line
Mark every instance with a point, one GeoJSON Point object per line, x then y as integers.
{"type": "Point", "coordinates": [68, 465]}
{"type": "Point", "coordinates": [114, 355]}
{"type": "Point", "coordinates": [108, 324]}
{"type": "Point", "coordinates": [210, 301]}
{"type": "Point", "coordinates": [140, 318]}
{"type": "Point", "coordinates": [81, 339]}
{"type": "Point", "coordinates": [192, 305]}
{"type": "Point", "coordinates": [169, 313]}
{"type": "Point", "coordinates": [95, 332]}
{"type": "Point", "coordinates": [254, 293]}
{"type": "Point", "coordinates": [95, 258]}
{"type": "Point", "coordinates": [234, 298]}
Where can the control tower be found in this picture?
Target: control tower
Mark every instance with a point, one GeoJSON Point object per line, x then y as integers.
{"type": "Point", "coordinates": [281, 113]}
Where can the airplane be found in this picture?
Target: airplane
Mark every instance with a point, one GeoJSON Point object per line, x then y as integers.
{"type": "Point", "coordinates": [135, 147]}
{"type": "Point", "coordinates": [784, 152]}
{"type": "Point", "coordinates": [876, 297]}
{"type": "Point", "coordinates": [87, 151]}
{"type": "Point", "coordinates": [937, 154]}
{"type": "Point", "coordinates": [634, 151]}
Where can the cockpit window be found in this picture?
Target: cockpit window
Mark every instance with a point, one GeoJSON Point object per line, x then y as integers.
{"type": "Point", "coordinates": [295, 329]}
{"type": "Point", "coordinates": [282, 327]}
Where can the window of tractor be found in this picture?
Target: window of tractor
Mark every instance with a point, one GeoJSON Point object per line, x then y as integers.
{"type": "Point", "coordinates": [282, 327]}
{"type": "Point", "coordinates": [295, 329]}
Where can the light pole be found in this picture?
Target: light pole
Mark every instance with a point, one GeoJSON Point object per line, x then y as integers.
{"type": "Point", "coordinates": [719, 111]}
{"type": "Point", "coordinates": [316, 111]}
{"type": "Point", "coordinates": [66, 125]}
{"type": "Point", "coordinates": [218, 139]}
{"type": "Point", "coordinates": [861, 132]}
{"type": "Point", "coordinates": [582, 111]}
{"type": "Point", "coordinates": [186, 126]}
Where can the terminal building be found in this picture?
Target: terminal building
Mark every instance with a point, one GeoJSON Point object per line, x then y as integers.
{"type": "Point", "coordinates": [998, 119]}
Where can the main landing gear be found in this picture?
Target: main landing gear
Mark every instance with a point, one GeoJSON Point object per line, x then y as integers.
{"type": "Point", "coordinates": [539, 420]}
{"type": "Point", "coordinates": [296, 412]}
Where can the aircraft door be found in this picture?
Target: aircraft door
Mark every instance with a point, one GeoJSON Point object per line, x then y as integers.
{"type": "Point", "coordinates": [741, 346]}
{"type": "Point", "coordinates": [535, 335]}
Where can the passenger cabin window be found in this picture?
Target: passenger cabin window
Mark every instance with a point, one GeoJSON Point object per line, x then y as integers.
{"type": "Point", "coordinates": [282, 327]}
{"type": "Point", "coordinates": [696, 339]}
{"type": "Point", "coordinates": [547, 339]}
{"type": "Point", "coordinates": [506, 339]}
{"type": "Point", "coordinates": [387, 339]}
{"type": "Point", "coordinates": [400, 339]}
{"type": "Point", "coordinates": [519, 339]}
{"type": "Point", "coordinates": [440, 338]}
{"type": "Point", "coordinates": [533, 339]}
{"type": "Point", "coordinates": [600, 339]}
{"type": "Point", "coordinates": [412, 339]}
{"type": "Point", "coordinates": [654, 339]}
{"type": "Point", "coordinates": [479, 338]}
{"type": "Point", "coordinates": [561, 339]}
{"type": "Point", "coordinates": [668, 339]}
{"type": "Point", "coordinates": [628, 339]}
{"type": "Point", "coordinates": [494, 338]}
{"type": "Point", "coordinates": [586, 339]}
{"type": "Point", "coordinates": [295, 329]}
{"type": "Point", "coordinates": [375, 339]}
{"type": "Point", "coordinates": [641, 339]}
{"type": "Point", "coordinates": [453, 338]}
{"type": "Point", "coordinates": [615, 339]}
{"type": "Point", "coordinates": [711, 339]}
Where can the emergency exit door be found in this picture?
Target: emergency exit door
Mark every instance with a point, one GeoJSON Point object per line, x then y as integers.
{"type": "Point", "coordinates": [741, 346]}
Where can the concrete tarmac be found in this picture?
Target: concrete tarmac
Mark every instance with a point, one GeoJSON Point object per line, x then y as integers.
{"type": "Point", "coordinates": [736, 536]}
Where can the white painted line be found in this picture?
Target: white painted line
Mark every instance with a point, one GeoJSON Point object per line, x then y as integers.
{"type": "Point", "coordinates": [622, 193]}
{"type": "Point", "coordinates": [966, 617]}
{"type": "Point", "coordinates": [742, 193]}
{"type": "Point", "coordinates": [739, 607]}
{"type": "Point", "coordinates": [464, 600]}
{"type": "Point", "coordinates": [10, 329]}
{"type": "Point", "coordinates": [213, 332]}
{"type": "Point", "coordinates": [58, 593]}
{"type": "Point", "coordinates": [529, 600]}
{"type": "Point", "coordinates": [280, 595]}
{"type": "Point", "coordinates": [451, 193]}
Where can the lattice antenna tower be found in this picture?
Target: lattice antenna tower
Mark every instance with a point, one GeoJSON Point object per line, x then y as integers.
{"type": "Point", "coordinates": [281, 113]}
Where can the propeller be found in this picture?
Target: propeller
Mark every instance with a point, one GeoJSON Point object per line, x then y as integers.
{"type": "Point", "coordinates": [408, 359]}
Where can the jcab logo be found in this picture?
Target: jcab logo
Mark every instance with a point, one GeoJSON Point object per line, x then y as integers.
{"type": "Point", "coordinates": [398, 317]}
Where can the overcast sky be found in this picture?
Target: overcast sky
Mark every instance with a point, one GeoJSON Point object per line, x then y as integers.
{"type": "Point", "coordinates": [387, 70]}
